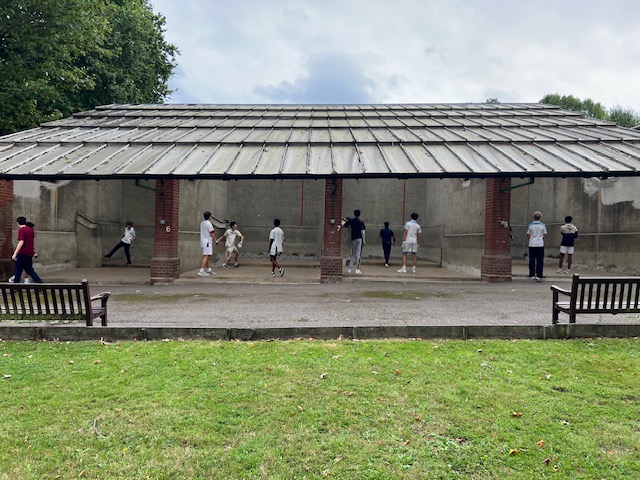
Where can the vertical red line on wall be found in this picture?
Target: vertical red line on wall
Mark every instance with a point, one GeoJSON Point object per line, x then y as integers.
{"type": "Point", "coordinates": [302, 204]}
{"type": "Point", "coordinates": [404, 199]}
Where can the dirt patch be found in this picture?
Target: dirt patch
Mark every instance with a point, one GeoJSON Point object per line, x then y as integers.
{"type": "Point", "coordinates": [166, 298]}
{"type": "Point", "coordinates": [408, 295]}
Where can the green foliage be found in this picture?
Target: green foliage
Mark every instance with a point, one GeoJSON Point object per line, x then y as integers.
{"type": "Point", "coordinates": [624, 117]}
{"type": "Point", "coordinates": [309, 409]}
{"type": "Point", "coordinates": [587, 107]}
{"type": "Point", "coordinates": [62, 56]}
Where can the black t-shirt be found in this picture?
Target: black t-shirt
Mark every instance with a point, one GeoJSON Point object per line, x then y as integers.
{"type": "Point", "coordinates": [386, 234]}
{"type": "Point", "coordinates": [357, 226]}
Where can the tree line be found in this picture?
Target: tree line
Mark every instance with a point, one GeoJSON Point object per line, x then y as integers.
{"type": "Point", "coordinates": [623, 116]}
{"type": "Point", "coordinates": [58, 57]}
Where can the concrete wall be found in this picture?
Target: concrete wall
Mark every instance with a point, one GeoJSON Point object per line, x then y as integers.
{"type": "Point", "coordinates": [77, 222]}
{"type": "Point", "coordinates": [254, 204]}
{"type": "Point", "coordinates": [383, 200]}
{"type": "Point", "coordinates": [197, 197]}
{"type": "Point", "coordinates": [454, 235]}
{"type": "Point", "coordinates": [606, 212]}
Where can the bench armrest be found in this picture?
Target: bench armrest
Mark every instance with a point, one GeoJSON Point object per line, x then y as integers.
{"type": "Point", "coordinates": [103, 297]}
{"type": "Point", "coordinates": [555, 289]}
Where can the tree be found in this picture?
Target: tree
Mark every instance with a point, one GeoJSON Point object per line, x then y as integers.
{"type": "Point", "coordinates": [62, 56]}
{"type": "Point", "coordinates": [624, 117]}
{"type": "Point", "coordinates": [136, 62]}
{"type": "Point", "coordinates": [587, 107]}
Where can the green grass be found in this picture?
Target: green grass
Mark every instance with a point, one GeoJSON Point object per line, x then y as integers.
{"type": "Point", "coordinates": [317, 409]}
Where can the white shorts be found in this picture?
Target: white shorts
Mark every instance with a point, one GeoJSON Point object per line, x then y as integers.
{"type": "Point", "coordinates": [568, 250]}
{"type": "Point", "coordinates": [207, 250]}
{"type": "Point", "coordinates": [409, 247]}
{"type": "Point", "coordinates": [232, 248]}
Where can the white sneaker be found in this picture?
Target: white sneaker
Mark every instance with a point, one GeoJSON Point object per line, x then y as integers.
{"type": "Point", "coordinates": [12, 278]}
{"type": "Point", "coordinates": [26, 280]}
{"type": "Point", "coordinates": [273, 274]}
{"type": "Point", "coordinates": [413, 269]}
{"type": "Point", "coordinates": [561, 271]}
{"type": "Point", "coordinates": [358, 271]}
{"type": "Point", "coordinates": [402, 270]}
{"type": "Point", "coordinates": [568, 270]}
{"type": "Point", "coordinates": [203, 274]}
{"type": "Point", "coordinates": [224, 265]}
{"type": "Point", "coordinates": [386, 265]}
{"type": "Point", "coordinates": [349, 270]}
{"type": "Point", "coordinates": [537, 279]}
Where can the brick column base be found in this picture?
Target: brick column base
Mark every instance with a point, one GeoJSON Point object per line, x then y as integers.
{"type": "Point", "coordinates": [495, 265]}
{"type": "Point", "coordinates": [331, 257]}
{"type": "Point", "coordinates": [496, 268]}
{"type": "Point", "coordinates": [164, 270]}
{"type": "Point", "coordinates": [165, 263]}
{"type": "Point", "coordinates": [331, 270]}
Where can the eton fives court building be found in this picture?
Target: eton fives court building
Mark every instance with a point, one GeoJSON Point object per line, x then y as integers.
{"type": "Point", "coordinates": [474, 173]}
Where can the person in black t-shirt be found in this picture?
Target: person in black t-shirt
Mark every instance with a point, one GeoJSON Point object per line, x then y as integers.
{"type": "Point", "coordinates": [357, 240]}
{"type": "Point", "coordinates": [388, 238]}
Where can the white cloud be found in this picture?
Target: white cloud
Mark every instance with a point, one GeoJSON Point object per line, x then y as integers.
{"type": "Point", "coordinates": [377, 51]}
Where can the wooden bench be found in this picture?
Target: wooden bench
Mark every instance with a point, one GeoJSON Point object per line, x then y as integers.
{"type": "Point", "coordinates": [51, 301]}
{"type": "Point", "coordinates": [597, 295]}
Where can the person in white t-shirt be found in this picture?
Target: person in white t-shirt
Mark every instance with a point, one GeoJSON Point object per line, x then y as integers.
{"type": "Point", "coordinates": [127, 238]}
{"type": "Point", "coordinates": [207, 239]}
{"type": "Point", "coordinates": [276, 239]}
{"type": "Point", "coordinates": [536, 233]}
{"type": "Point", "coordinates": [410, 241]}
{"type": "Point", "coordinates": [230, 243]}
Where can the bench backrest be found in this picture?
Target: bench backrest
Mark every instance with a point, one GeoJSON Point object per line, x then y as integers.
{"type": "Point", "coordinates": [607, 295]}
{"type": "Point", "coordinates": [45, 301]}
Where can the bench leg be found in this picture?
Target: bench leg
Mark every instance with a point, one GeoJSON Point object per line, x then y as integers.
{"type": "Point", "coordinates": [554, 315]}
{"type": "Point", "coordinates": [104, 319]}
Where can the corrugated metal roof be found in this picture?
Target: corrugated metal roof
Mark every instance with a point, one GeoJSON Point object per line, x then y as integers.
{"type": "Point", "coordinates": [293, 141]}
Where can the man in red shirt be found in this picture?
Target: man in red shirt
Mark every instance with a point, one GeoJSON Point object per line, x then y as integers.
{"type": "Point", "coordinates": [23, 255]}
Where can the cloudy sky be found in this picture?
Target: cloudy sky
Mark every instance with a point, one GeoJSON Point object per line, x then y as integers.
{"type": "Point", "coordinates": [403, 51]}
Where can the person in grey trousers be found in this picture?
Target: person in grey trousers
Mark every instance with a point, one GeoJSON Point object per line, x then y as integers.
{"type": "Point", "coordinates": [357, 240]}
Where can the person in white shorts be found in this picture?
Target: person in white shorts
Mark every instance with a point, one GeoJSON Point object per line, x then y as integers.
{"type": "Point", "coordinates": [569, 234]}
{"type": "Point", "coordinates": [207, 239]}
{"type": "Point", "coordinates": [410, 240]}
{"type": "Point", "coordinates": [276, 239]}
{"type": "Point", "coordinates": [230, 243]}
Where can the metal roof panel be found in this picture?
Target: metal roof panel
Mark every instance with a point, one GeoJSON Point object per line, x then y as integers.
{"type": "Point", "coordinates": [227, 141]}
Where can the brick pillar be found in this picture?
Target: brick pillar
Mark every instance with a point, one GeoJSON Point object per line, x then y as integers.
{"type": "Point", "coordinates": [6, 229]}
{"type": "Point", "coordinates": [496, 261]}
{"type": "Point", "coordinates": [165, 264]}
{"type": "Point", "coordinates": [331, 257]}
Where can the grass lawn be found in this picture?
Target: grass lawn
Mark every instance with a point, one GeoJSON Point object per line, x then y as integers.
{"type": "Point", "coordinates": [318, 409]}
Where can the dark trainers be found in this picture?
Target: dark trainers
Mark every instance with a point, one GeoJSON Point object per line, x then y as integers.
{"type": "Point", "coordinates": [281, 271]}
